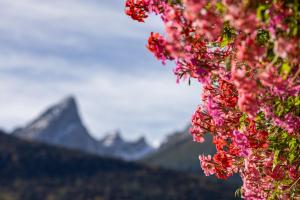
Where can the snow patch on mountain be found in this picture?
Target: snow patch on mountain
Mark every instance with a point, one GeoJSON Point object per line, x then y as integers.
{"type": "Point", "coordinates": [61, 125]}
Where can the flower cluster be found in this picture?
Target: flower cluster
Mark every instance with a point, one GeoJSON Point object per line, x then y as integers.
{"type": "Point", "coordinates": [137, 9]}
{"type": "Point", "coordinates": [245, 54]}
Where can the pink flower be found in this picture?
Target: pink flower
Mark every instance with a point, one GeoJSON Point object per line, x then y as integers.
{"type": "Point", "coordinates": [241, 141]}
{"type": "Point", "coordinates": [219, 44]}
{"type": "Point", "coordinates": [207, 164]}
{"type": "Point", "coordinates": [247, 89]}
{"type": "Point", "coordinates": [287, 48]}
{"type": "Point", "coordinates": [215, 112]}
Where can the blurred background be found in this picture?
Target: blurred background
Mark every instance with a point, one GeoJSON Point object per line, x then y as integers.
{"type": "Point", "coordinates": [88, 113]}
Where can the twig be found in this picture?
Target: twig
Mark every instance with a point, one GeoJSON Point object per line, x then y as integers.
{"type": "Point", "coordinates": [297, 74]}
{"type": "Point", "coordinates": [295, 183]}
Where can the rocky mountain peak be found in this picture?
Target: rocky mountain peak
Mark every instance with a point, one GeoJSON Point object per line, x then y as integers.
{"type": "Point", "coordinates": [61, 125]}
{"type": "Point", "coordinates": [66, 111]}
{"type": "Point", "coordinates": [68, 103]}
{"type": "Point", "coordinates": [112, 139]}
{"type": "Point", "coordinates": [141, 141]}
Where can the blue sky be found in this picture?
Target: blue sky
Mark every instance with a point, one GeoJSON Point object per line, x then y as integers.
{"type": "Point", "coordinates": [90, 49]}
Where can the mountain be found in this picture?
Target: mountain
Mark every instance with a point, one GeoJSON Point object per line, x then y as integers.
{"type": "Point", "coordinates": [61, 125]}
{"type": "Point", "coordinates": [116, 146]}
{"type": "Point", "coordinates": [32, 171]}
{"type": "Point", "coordinates": [180, 152]}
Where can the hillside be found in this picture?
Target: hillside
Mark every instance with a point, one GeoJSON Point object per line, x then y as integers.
{"type": "Point", "coordinates": [33, 171]}
{"type": "Point", "coordinates": [180, 152]}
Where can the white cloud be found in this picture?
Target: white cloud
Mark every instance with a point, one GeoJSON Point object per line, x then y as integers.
{"type": "Point", "coordinates": [44, 56]}
{"type": "Point", "coordinates": [151, 104]}
{"type": "Point", "coordinates": [68, 23]}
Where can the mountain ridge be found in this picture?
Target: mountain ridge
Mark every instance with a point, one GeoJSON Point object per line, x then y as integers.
{"type": "Point", "coordinates": [180, 152]}
{"type": "Point", "coordinates": [31, 170]}
{"type": "Point", "coordinates": [61, 125]}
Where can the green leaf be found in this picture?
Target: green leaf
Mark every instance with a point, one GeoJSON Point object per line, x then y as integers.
{"type": "Point", "coordinates": [238, 192]}
{"type": "Point", "coordinates": [225, 41]}
{"type": "Point", "coordinates": [285, 70]}
{"type": "Point", "coordinates": [220, 7]}
{"type": "Point", "coordinates": [276, 156]}
{"type": "Point", "coordinates": [243, 120]}
{"type": "Point", "coordinates": [227, 35]}
{"type": "Point", "coordinates": [293, 144]}
{"type": "Point", "coordinates": [262, 36]}
{"type": "Point", "coordinates": [291, 157]}
{"type": "Point", "coordinates": [260, 117]}
{"type": "Point", "coordinates": [297, 101]}
{"type": "Point", "coordinates": [261, 13]}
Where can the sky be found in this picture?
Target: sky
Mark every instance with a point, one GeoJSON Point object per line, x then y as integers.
{"type": "Point", "coordinates": [50, 49]}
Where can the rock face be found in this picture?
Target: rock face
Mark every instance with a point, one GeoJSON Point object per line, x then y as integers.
{"type": "Point", "coordinates": [180, 152]}
{"type": "Point", "coordinates": [61, 125]}
{"type": "Point", "coordinates": [115, 145]}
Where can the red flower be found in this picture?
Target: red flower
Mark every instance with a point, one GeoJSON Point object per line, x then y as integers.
{"type": "Point", "coordinates": [157, 45]}
{"type": "Point", "coordinates": [229, 95]}
{"type": "Point", "coordinates": [246, 57]}
{"type": "Point", "coordinates": [222, 165]}
{"type": "Point", "coordinates": [220, 143]}
{"type": "Point", "coordinates": [222, 159]}
{"type": "Point", "coordinates": [257, 138]}
{"type": "Point", "coordinates": [137, 9]}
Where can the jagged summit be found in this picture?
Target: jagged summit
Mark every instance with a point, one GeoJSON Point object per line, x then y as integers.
{"type": "Point", "coordinates": [129, 150]}
{"type": "Point", "coordinates": [112, 139]}
{"type": "Point", "coordinates": [65, 110]}
{"type": "Point", "coordinates": [61, 125]}
{"type": "Point", "coordinates": [116, 138]}
{"type": "Point", "coordinates": [68, 102]}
